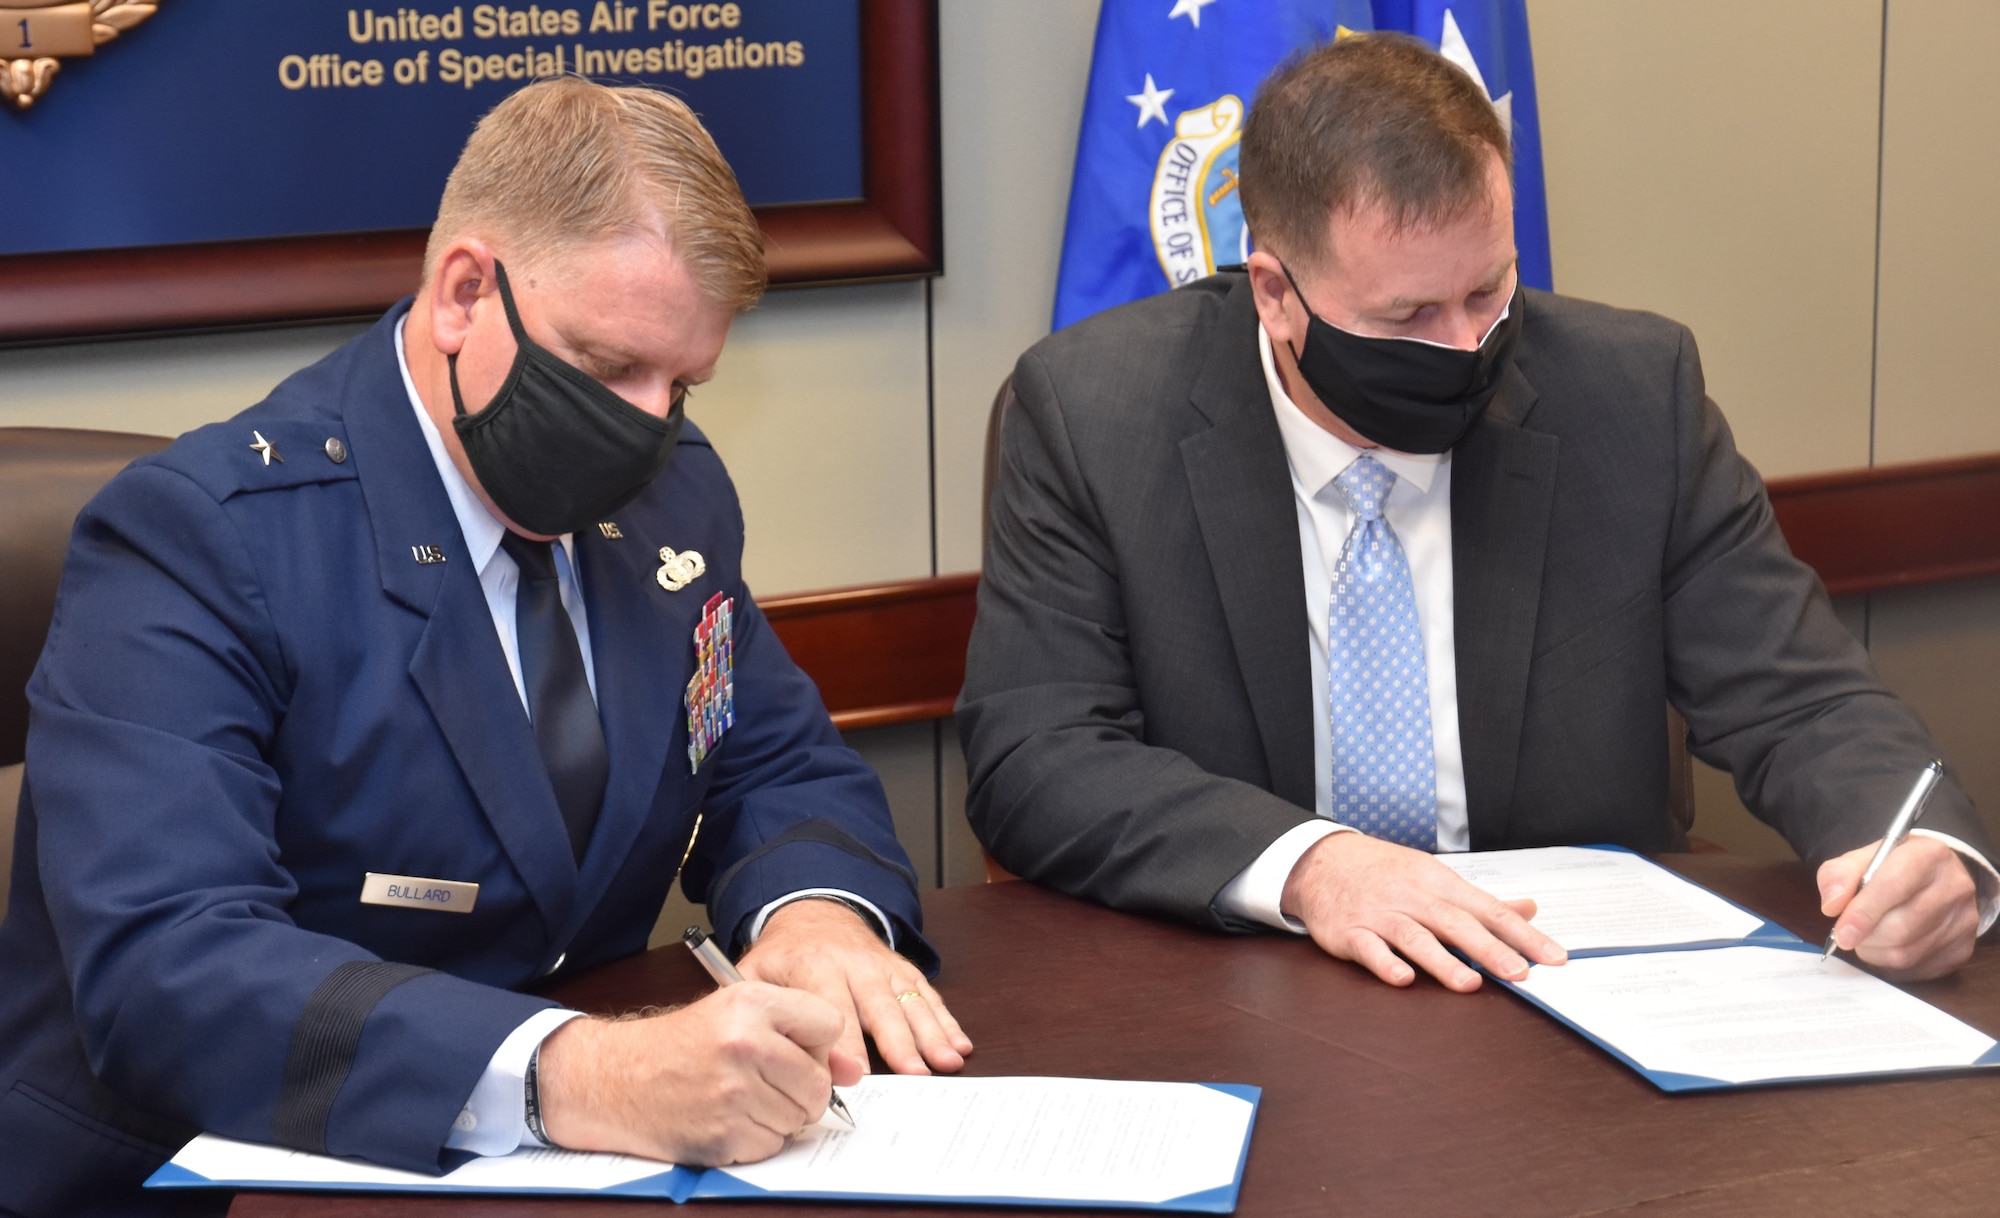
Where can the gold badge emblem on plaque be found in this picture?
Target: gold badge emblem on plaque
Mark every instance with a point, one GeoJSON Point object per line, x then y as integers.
{"type": "Point", "coordinates": [37, 35]}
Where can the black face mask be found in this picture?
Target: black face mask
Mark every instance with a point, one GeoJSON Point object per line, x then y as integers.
{"type": "Point", "coordinates": [556, 450]}
{"type": "Point", "coordinates": [1406, 395]}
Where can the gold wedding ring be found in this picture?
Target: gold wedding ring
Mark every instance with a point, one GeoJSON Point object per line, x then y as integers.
{"type": "Point", "coordinates": [906, 995]}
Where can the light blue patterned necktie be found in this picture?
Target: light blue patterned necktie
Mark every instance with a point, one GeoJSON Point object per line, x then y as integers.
{"type": "Point", "coordinates": [1384, 771]}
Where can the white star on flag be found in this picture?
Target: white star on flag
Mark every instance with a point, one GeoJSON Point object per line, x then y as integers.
{"type": "Point", "coordinates": [1191, 9]}
{"type": "Point", "coordinates": [1452, 45]}
{"type": "Point", "coordinates": [1152, 103]}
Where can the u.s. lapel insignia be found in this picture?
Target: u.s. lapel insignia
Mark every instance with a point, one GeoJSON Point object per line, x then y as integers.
{"type": "Point", "coordinates": [37, 35]}
{"type": "Point", "coordinates": [610, 530]}
{"type": "Point", "coordinates": [678, 569]}
{"type": "Point", "coordinates": [265, 449]}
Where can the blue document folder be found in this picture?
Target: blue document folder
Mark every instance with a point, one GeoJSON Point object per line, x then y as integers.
{"type": "Point", "coordinates": [1756, 1007]}
{"type": "Point", "coordinates": [210, 1162]}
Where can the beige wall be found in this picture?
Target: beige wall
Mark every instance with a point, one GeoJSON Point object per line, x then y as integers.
{"type": "Point", "coordinates": [158, 386]}
{"type": "Point", "coordinates": [818, 407]}
{"type": "Point", "coordinates": [1721, 161]}
{"type": "Point", "coordinates": [1014, 77]}
{"type": "Point", "coordinates": [1936, 395]}
{"type": "Point", "coordinates": [1714, 160]}
{"type": "Point", "coordinates": [1733, 183]}
{"type": "Point", "coordinates": [1702, 175]}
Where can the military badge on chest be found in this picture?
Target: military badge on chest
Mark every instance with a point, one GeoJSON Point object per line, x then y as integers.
{"type": "Point", "coordinates": [711, 691]}
{"type": "Point", "coordinates": [680, 568]}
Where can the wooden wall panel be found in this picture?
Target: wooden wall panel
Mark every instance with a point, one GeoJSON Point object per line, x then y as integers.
{"type": "Point", "coordinates": [1895, 526]}
{"type": "Point", "coordinates": [895, 653]}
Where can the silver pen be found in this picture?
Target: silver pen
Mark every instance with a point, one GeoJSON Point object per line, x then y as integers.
{"type": "Point", "coordinates": [1899, 829]}
{"type": "Point", "coordinates": [718, 966]}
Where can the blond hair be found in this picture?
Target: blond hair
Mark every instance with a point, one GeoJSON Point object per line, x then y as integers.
{"type": "Point", "coordinates": [568, 160]}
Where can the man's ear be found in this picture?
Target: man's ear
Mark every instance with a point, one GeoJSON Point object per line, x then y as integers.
{"type": "Point", "coordinates": [1277, 304]}
{"type": "Point", "coordinates": [464, 274]}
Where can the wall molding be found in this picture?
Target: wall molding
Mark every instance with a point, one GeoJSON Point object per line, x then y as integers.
{"type": "Point", "coordinates": [1894, 526]}
{"type": "Point", "coordinates": [895, 653]}
{"type": "Point", "coordinates": [882, 654]}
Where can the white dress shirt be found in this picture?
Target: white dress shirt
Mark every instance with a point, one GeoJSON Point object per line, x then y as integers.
{"type": "Point", "coordinates": [1419, 510]}
{"type": "Point", "coordinates": [494, 1120]}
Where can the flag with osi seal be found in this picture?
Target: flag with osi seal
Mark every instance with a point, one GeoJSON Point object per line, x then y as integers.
{"type": "Point", "coordinates": [1153, 201]}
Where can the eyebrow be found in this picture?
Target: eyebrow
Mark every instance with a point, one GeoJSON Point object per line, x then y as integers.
{"type": "Point", "coordinates": [1490, 282]}
{"type": "Point", "coordinates": [602, 349]}
{"type": "Point", "coordinates": [617, 353]}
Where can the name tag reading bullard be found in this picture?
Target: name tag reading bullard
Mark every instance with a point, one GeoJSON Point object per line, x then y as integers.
{"type": "Point", "coordinates": [416, 892]}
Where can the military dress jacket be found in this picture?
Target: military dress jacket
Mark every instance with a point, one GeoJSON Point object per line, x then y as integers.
{"type": "Point", "coordinates": [268, 678]}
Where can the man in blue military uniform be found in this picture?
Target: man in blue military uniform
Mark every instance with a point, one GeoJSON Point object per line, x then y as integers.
{"type": "Point", "coordinates": [420, 682]}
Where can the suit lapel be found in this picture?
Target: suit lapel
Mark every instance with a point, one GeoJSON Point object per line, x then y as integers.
{"type": "Point", "coordinates": [1502, 486]}
{"type": "Point", "coordinates": [457, 666]}
{"type": "Point", "coordinates": [1242, 493]}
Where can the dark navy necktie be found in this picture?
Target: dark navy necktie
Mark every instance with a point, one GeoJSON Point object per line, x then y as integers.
{"type": "Point", "coordinates": [559, 704]}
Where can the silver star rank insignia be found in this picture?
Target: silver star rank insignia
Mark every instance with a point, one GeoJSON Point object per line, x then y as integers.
{"type": "Point", "coordinates": [265, 449]}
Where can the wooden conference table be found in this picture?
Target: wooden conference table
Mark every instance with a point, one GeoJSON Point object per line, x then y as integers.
{"type": "Point", "coordinates": [1385, 1101]}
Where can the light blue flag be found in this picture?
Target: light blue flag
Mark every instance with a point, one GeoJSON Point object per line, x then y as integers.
{"type": "Point", "coordinates": [1153, 202]}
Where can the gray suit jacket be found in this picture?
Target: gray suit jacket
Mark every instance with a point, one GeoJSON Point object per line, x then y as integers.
{"type": "Point", "coordinates": [1137, 711]}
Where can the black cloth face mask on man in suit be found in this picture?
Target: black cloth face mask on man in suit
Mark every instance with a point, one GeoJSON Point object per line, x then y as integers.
{"type": "Point", "coordinates": [1408, 394]}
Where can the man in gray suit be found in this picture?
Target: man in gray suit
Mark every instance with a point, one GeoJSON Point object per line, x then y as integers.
{"type": "Point", "coordinates": [1368, 537]}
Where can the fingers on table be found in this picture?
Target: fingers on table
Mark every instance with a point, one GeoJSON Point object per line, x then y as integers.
{"type": "Point", "coordinates": [946, 1020]}
{"type": "Point", "coordinates": [1495, 934]}
{"type": "Point", "coordinates": [1484, 938]}
{"type": "Point", "coordinates": [1384, 941]}
{"type": "Point", "coordinates": [1423, 924]}
{"type": "Point", "coordinates": [1373, 953]}
{"type": "Point", "coordinates": [913, 1030]}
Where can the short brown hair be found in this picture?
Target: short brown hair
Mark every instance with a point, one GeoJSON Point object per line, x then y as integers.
{"type": "Point", "coordinates": [568, 160]}
{"type": "Point", "coordinates": [1377, 120]}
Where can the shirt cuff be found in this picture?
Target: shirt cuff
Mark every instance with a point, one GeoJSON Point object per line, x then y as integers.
{"type": "Point", "coordinates": [1985, 880]}
{"type": "Point", "coordinates": [882, 925]}
{"type": "Point", "coordinates": [494, 1120]}
{"type": "Point", "coordinates": [1258, 890]}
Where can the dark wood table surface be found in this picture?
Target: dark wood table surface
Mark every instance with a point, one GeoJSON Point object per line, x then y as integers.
{"type": "Point", "coordinates": [1386, 1101]}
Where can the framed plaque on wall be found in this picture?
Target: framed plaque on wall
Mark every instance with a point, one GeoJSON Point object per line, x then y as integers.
{"type": "Point", "coordinates": [189, 164]}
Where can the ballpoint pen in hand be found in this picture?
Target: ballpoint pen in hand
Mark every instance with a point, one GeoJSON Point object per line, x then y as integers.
{"type": "Point", "coordinates": [1899, 829]}
{"type": "Point", "coordinates": [718, 966]}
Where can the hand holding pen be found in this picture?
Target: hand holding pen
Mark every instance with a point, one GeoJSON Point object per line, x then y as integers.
{"type": "Point", "coordinates": [1906, 905]}
{"type": "Point", "coordinates": [719, 968]}
{"type": "Point", "coordinates": [1899, 829]}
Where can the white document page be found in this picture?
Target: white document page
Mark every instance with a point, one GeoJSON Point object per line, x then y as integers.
{"type": "Point", "coordinates": [541, 1168]}
{"type": "Point", "coordinates": [1753, 1014]}
{"type": "Point", "coordinates": [1589, 899]}
{"type": "Point", "coordinates": [1063, 1139]}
